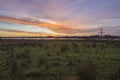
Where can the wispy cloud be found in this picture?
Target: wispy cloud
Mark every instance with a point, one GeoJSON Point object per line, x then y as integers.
{"type": "Point", "coordinates": [57, 27]}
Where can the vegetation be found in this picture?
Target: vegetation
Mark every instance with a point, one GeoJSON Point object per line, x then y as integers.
{"type": "Point", "coordinates": [60, 60]}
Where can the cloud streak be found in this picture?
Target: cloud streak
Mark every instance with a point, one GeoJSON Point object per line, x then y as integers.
{"type": "Point", "coordinates": [57, 27]}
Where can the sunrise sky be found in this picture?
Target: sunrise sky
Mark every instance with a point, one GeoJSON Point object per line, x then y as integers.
{"type": "Point", "coordinates": [59, 17]}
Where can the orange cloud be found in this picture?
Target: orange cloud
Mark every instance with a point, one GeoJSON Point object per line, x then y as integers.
{"type": "Point", "coordinates": [5, 32]}
{"type": "Point", "coordinates": [58, 27]}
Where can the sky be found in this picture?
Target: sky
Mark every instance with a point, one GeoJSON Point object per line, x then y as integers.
{"type": "Point", "coordinates": [59, 17]}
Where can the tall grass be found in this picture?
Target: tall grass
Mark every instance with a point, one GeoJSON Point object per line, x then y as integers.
{"type": "Point", "coordinates": [57, 60]}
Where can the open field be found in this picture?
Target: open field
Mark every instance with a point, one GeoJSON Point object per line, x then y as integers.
{"type": "Point", "coordinates": [59, 60]}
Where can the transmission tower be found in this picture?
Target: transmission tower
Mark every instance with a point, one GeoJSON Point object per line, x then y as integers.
{"type": "Point", "coordinates": [101, 31]}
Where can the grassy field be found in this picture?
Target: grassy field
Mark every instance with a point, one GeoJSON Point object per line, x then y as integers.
{"type": "Point", "coordinates": [59, 60]}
